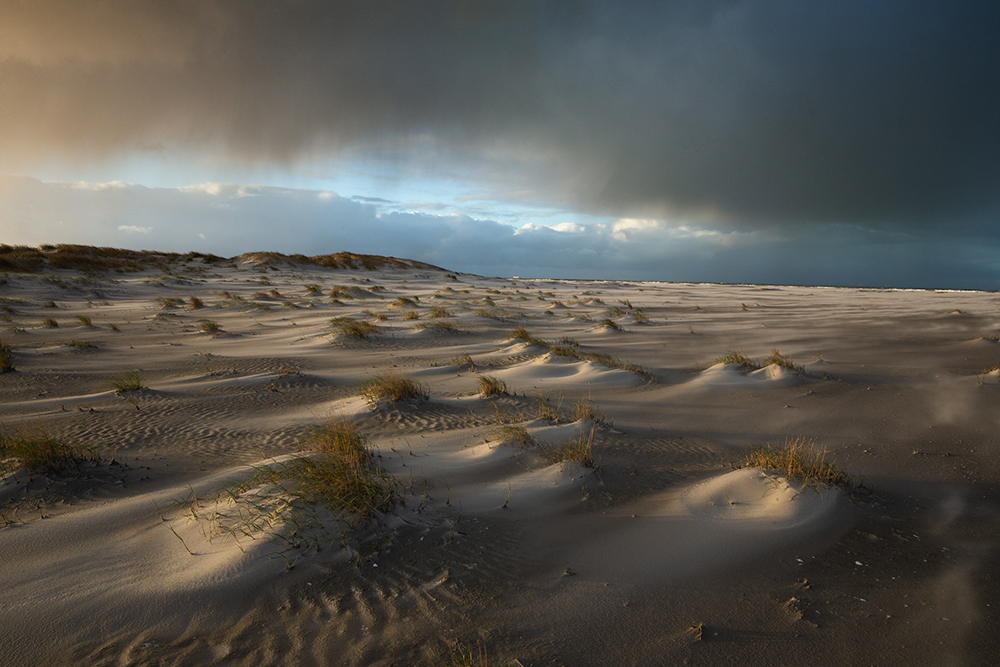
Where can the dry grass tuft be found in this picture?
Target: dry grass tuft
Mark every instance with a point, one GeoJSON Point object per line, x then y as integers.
{"type": "Point", "coordinates": [798, 459]}
{"type": "Point", "coordinates": [6, 361]}
{"type": "Point", "coordinates": [776, 359]}
{"type": "Point", "coordinates": [352, 328]}
{"type": "Point", "coordinates": [444, 327]}
{"type": "Point", "coordinates": [195, 303]}
{"type": "Point", "coordinates": [411, 315]}
{"type": "Point", "coordinates": [440, 311]}
{"type": "Point", "coordinates": [34, 449]}
{"type": "Point", "coordinates": [579, 450]}
{"type": "Point", "coordinates": [129, 380]}
{"type": "Point", "coordinates": [513, 434]}
{"type": "Point", "coordinates": [740, 359]}
{"type": "Point", "coordinates": [50, 322]}
{"type": "Point", "coordinates": [391, 386]}
{"type": "Point", "coordinates": [492, 386]}
{"type": "Point", "coordinates": [209, 326]}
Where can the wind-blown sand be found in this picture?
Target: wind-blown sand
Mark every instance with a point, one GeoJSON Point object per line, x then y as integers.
{"type": "Point", "coordinates": [663, 554]}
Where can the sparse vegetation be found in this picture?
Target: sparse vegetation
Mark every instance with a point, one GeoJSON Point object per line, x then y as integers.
{"type": "Point", "coordinates": [195, 303]}
{"type": "Point", "coordinates": [81, 344]}
{"type": "Point", "coordinates": [492, 386]}
{"type": "Point", "coordinates": [748, 364]}
{"type": "Point", "coordinates": [84, 320]}
{"type": "Point", "coordinates": [352, 328]}
{"type": "Point", "coordinates": [440, 311]}
{"type": "Point", "coordinates": [209, 326]}
{"type": "Point", "coordinates": [739, 359]}
{"type": "Point", "coordinates": [34, 449]}
{"type": "Point", "coordinates": [411, 315]}
{"type": "Point", "coordinates": [446, 327]}
{"type": "Point", "coordinates": [798, 459]}
{"type": "Point", "coordinates": [579, 449]}
{"type": "Point", "coordinates": [6, 359]}
{"type": "Point", "coordinates": [391, 386]}
{"type": "Point", "coordinates": [514, 434]}
{"type": "Point", "coordinates": [128, 380]}
{"type": "Point", "coordinates": [50, 323]}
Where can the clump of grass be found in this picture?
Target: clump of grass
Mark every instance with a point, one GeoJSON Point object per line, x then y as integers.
{"type": "Point", "coordinates": [465, 656]}
{"type": "Point", "coordinates": [639, 318]}
{"type": "Point", "coordinates": [209, 326]}
{"type": "Point", "coordinates": [440, 311]}
{"type": "Point", "coordinates": [129, 380]}
{"type": "Point", "coordinates": [447, 327]}
{"type": "Point", "coordinates": [172, 301]}
{"type": "Point", "coordinates": [514, 434]}
{"type": "Point", "coordinates": [275, 293]}
{"type": "Point", "coordinates": [80, 344]}
{"type": "Point", "coordinates": [34, 449]}
{"type": "Point", "coordinates": [522, 334]}
{"type": "Point", "coordinates": [494, 314]}
{"type": "Point", "coordinates": [740, 359]}
{"type": "Point", "coordinates": [313, 289]}
{"type": "Point", "coordinates": [492, 386]}
{"type": "Point", "coordinates": [586, 409]}
{"type": "Point", "coordinates": [579, 449]}
{"type": "Point", "coordinates": [402, 301]}
{"type": "Point", "coordinates": [465, 359]}
{"type": "Point", "coordinates": [391, 387]}
{"type": "Point", "coordinates": [798, 459]}
{"type": "Point", "coordinates": [380, 316]}
{"type": "Point", "coordinates": [411, 315]}
{"type": "Point", "coordinates": [50, 322]}
{"type": "Point", "coordinates": [195, 303]}
{"type": "Point", "coordinates": [352, 328]}
{"type": "Point", "coordinates": [545, 410]}
{"type": "Point", "coordinates": [113, 327]}
{"type": "Point", "coordinates": [289, 304]}
{"type": "Point", "coordinates": [609, 324]}
{"type": "Point", "coordinates": [6, 359]}
{"type": "Point", "coordinates": [776, 359]}
{"type": "Point", "coordinates": [84, 320]}
{"type": "Point", "coordinates": [50, 304]}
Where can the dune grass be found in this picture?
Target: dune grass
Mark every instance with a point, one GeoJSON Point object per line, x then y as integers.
{"type": "Point", "coordinates": [50, 323]}
{"type": "Point", "coordinates": [513, 434]}
{"type": "Point", "coordinates": [739, 359]}
{"type": "Point", "coordinates": [352, 328]}
{"type": "Point", "coordinates": [80, 344]}
{"type": "Point", "coordinates": [195, 303]}
{"type": "Point", "coordinates": [343, 475]}
{"type": "Point", "coordinates": [84, 320]}
{"type": "Point", "coordinates": [209, 326]}
{"type": "Point", "coordinates": [128, 380]}
{"type": "Point", "coordinates": [36, 450]}
{"type": "Point", "coordinates": [440, 311]}
{"type": "Point", "coordinates": [579, 449]}
{"type": "Point", "coordinates": [798, 459]}
{"type": "Point", "coordinates": [391, 387]}
{"type": "Point", "coordinates": [6, 359]}
{"type": "Point", "coordinates": [440, 326]}
{"type": "Point", "coordinates": [492, 386]}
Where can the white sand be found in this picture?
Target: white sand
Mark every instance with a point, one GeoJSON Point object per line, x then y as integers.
{"type": "Point", "coordinates": [104, 569]}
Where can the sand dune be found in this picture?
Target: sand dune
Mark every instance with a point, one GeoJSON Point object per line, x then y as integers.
{"type": "Point", "coordinates": [660, 552]}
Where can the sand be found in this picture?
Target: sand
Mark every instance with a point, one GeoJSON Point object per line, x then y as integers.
{"type": "Point", "coordinates": [666, 552]}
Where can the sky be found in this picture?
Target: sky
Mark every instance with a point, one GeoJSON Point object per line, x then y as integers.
{"type": "Point", "coordinates": [791, 142]}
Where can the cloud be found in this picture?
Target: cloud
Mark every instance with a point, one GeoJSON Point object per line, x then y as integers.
{"type": "Point", "coordinates": [228, 222]}
{"type": "Point", "coordinates": [759, 112]}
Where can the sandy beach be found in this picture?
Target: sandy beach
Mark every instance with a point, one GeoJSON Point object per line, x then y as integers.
{"type": "Point", "coordinates": [171, 547]}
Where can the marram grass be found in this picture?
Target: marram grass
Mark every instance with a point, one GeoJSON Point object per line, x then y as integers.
{"type": "Point", "coordinates": [391, 387]}
{"type": "Point", "coordinates": [35, 450]}
{"type": "Point", "coordinates": [798, 459]}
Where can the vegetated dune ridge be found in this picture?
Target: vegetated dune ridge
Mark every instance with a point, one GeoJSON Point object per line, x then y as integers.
{"type": "Point", "coordinates": [170, 550]}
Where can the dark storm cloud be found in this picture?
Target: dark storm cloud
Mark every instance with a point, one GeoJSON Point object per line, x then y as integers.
{"type": "Point", "coordinates": [754, 112]}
